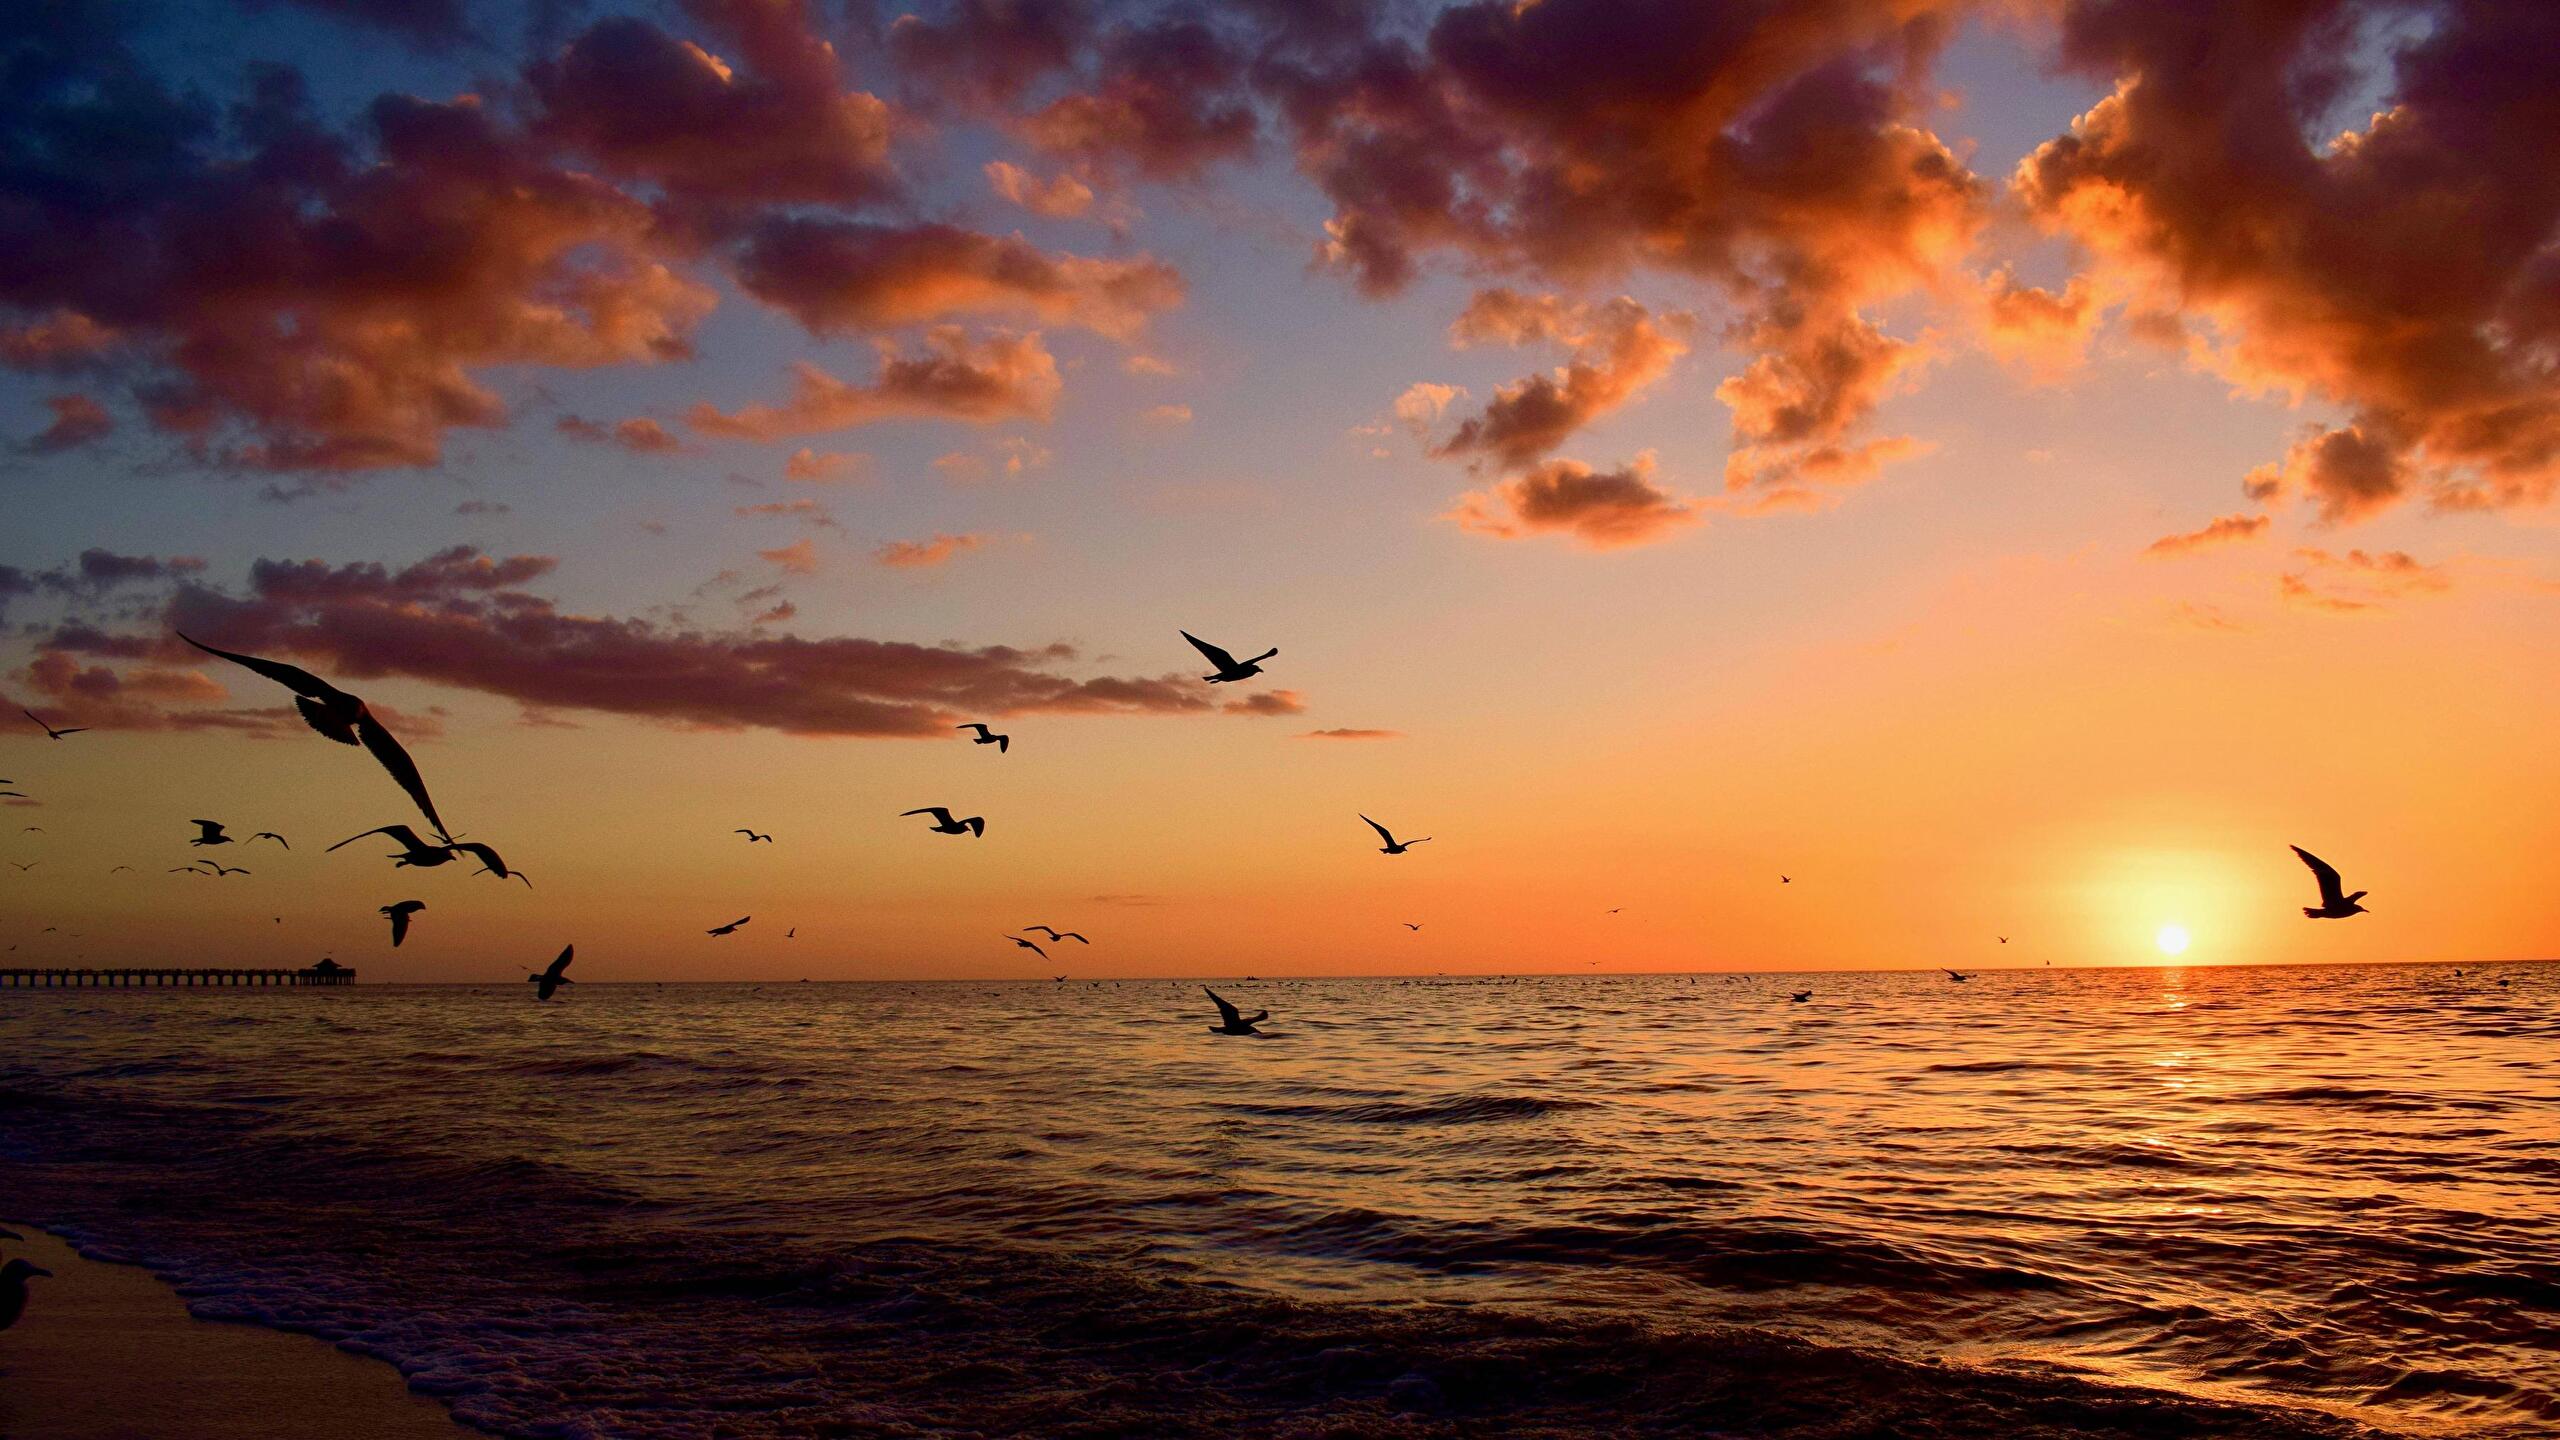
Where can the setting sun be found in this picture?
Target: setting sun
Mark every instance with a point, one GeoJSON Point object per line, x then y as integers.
{"type": "Point", "coordinates": [2172, 939]}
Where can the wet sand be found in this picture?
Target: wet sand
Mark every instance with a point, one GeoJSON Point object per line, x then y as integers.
{"type": "Point", "coordinates": [106, 1352]}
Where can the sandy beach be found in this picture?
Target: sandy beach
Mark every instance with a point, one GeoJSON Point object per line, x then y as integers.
{"type": "Point", "coordinates": [107, 1352]}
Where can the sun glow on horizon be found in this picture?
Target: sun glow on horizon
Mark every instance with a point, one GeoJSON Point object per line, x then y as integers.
{"type": "Point", "coordinates": [2172, 940]}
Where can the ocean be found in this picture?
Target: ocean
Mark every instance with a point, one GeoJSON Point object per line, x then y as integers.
{"type": "Point", "coordinates": [2260, 1202]}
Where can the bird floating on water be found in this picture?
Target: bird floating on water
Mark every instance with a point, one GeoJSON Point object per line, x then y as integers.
{"type": "Point", "coordinates": [1801, 996]}
{"type": "Point", "coordinates": [1394, 845]}
{"type": "Point", "coordinates": [1229, 667]}
{"type": "Point", "coordinates": [50, 732]}
{"type": "Point", "coordinates": [398, 915]}
{"type": "Point", "coordinates": [753, 837]}
{"type": "Point", "coordinates": [943, 824]}
{"type": "Point", "coordinates": [729, 928]}
{"type": "Point", "coordinates": [549, 981]}
{"type": "Point", "coordinates": [211, 833]}
{"type": "Point", "coordinates": [344, 718]}
{"type": "Point", "coordinates": [1957, 977]}
{"type": "Point", "coordinates": [1057, 935]}
{"type": "Point", "coordinates": [2333, 905]}
{"type": "Point", "coordinates": [1230, 1020]}
{"type": "Point", "coordinates": [986, 736]}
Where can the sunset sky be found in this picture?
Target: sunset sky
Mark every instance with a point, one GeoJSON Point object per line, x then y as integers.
{"type": "Point", "coordinates": [2011, 467]}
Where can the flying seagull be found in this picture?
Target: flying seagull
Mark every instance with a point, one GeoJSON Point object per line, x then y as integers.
{"type": "Point", "coordinates": [1952, 975]}
{"type": "Point", "coordinates": [1801, 996]}
{"type": "Point", "coordinates": [20, 794]}
{"type": "Point", "coordinates": [1394, 845]}
{"type": "Point", "coordinates": [2333, 905]}
{"type": "Point", "coordinates": [1409, 925]}
{"type": "Point", "coordinates": [344, 718]}
{"type": "Point", "coordinates": [1228, 666]}
{"type": "Point", "coordinates": [1232, 1022]}
{"type": "Point", "coordinates": [489, 862]}
{"type": "Point", "coordinates": [1786, 880]}
{"type": "Point", "coordinates": [1057, 935]}
{"type": "Point", "coordinates": [212, 833]}
{"type": "Point", "coordinates": [943, 824]}
{"type": "Point", "coordinates": [124, 867]}
{"type": "Point", "coordinates": [753, 837]}
{"type": "Point", "coordinates": [549, 981]}
{"type": "Point", "coordinates": [49, 730]}
{"type": "Point", "coordinates": [1028, 945]}
{"type": "Point", "coordinates": [2004, 939]}
{"type": "Point", "coordinates": [187, 870]}
{"type": "Point", "coordinates": [219, 870]}
{"type": "Point", "coordinates": [271, 835]}
{"type": "Point", "coordinates": [989, 737]}
{"type": "Point", "coordinates": [13, 1287]}
{"type": "Point", "coordinates": [730, 927]}
{"type": "Point", "coordinates": [416, 851]}
{"type": "Point", "coordinates": [30, 865]}
{"type": "Point", "coordinates": [399, 915]}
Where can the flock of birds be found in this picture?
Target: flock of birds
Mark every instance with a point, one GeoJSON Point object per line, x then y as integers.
{"type": "Point", "coordinates": [348, 720]}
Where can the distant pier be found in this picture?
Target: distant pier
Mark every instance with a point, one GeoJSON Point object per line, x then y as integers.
{"type": "Point", "coordinates": [125, 977]}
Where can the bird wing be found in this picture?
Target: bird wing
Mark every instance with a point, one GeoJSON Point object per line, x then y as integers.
{"type": "Point", "coordinates": [977, 824]}
{"type": "Point", "coordinates": [1258, 1017]}
{"type": "Point", "coordinates": [972, 725]}
{"type": "Point", "coordinates": [69, 730]}
{"type": "Point", "coordinates": [940, 815]}
{"type": "Point", "coordinates": [401, 834]}
{"type": "Point", "coordinates": [385, 747]}
{"type": "Point", "coordinates": [1217, 657]}
{"type": "Point", "coordinates": [2331, 892]}
{"type": "Point", "coordinates": [271, 835]}
{"type": "Point", "coordinates": [399, 926]}
{"type": "Point", "coordinates": [1003, 743]}
{"type": "Point", "coordinates": [484, 854]}
{"type": "Point", "coordinates": [560, 964]}
{"type": "Point", "coordinates": [291, 677]}
{"type": "Point", "coordinates": [1226, 1012]}
{"type": "Point", "coordinates": [1071, 935]}
{"type": "Point", "coordinates": [210, 828]}
{"type": "Point", "coordinates": [1381, 829]}
{"type": "Point", "coordinates": [1034, 947]}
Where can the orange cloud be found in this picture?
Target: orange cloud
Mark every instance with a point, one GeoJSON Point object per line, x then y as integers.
{"type": "Point", "coordinates": [2040, 331]}
{"type": "Point", "coordinates": [925, 554]}
{"type": "Point", "coordinates": [816, 467]}
{"type": "Point", "coordinates": [837, 276]}
{"type": "Point", "coordinates": [2358, 581]}
{"type": "Point", "coordinates": [1268, 702]}
{"type": "Point", "coordinates": [77, 420]}
{"type": "Point", "coordinates": [1062, 197]}
{"type": "Point", "coordinates": [1002, 377]}
{"type": "Point", "coordinates": [1605, 510]}
{"type": "Point", "coordinates": [1619, 348]}
{"type": "Point", "coordinates": [800, 557]}
{"type": "Point", "coordinates": [807, 512]}
{"type": "Point", "coordinates": [1352, 735]}
{"type": "Point", "coordinates": [2223, 531]}
{"type": "Point", "coordinates": [640, 436]}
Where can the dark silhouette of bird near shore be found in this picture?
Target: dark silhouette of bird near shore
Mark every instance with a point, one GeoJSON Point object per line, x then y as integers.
{"type": "Point", "coordinates": [987, 736]}
{"type": "Point", "coordinates": [13, 1286]}
{"type": "Point", "coordinates": [271, 835]}
{"type": "Point", "coordinates": [1229, 667]}
{"type": "Point", "coordinates": [1230, 1020]}
{"type": "Point", "coordinates": [50, 732]}
{"type": "Point", "coordinates": [943, 824]}
{"type": "Point", "coordinates": [548, 983]}
{"type": "Point", "coordinates": [753, 837]}
{"type": "Point", "coordinates": [1958, 978]}
{"type": "Point", "coordinates": [344, 718]}
{"type": "Point", "coordinates": [1801, 996]}
{"type": "Point", "coordinates": [211, 833]}
{"type": "Point", "coordinates": [399, 915]}
{"type": "Point", "coordinates": [1057, 935]}
{"type": "Point", "coordinates": [2333, 905]}
{"type": "Point", "coordinates": [414, 850]}
{"type": "Point", "coordinates": [731, 927]}
{"type": "Point", "coordinates": [1029, 945]}
{"type": "Point", "coordinates": [490, 864]}
{"type": "Point", "coordinates": [1394, 845]}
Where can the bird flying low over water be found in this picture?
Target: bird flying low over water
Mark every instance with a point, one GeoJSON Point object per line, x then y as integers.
{"type": "Point", "coordinates": [1230, 1020]}
{"type": "Point", "coordinates": [2333, 905]}
{"type": "Point", "coordinates": [1229, 668]}
{"type": "Point", "coordinates": [211, 833]}
{"type": "Point", "coordinates": [1030, 946]}
{"type": "Point", "coordinates": [415, 851]}
{"type": "Point", "coordinates": [1952, 975]}
{"type": "Point", "coordinates": [1801, 996]}
{"type": "Point", "coordinates": [342, 717]}
{"type": "Point", "coordinates": [50, 732]}
{"type": "Point", "coordinates": [1057, 935]}
{"type": "Point", "coordinates": [753, 837]}
{"type": "Point", "coordinates": [549, 981]}
{"type": "Point", "coordinates": [943, 824]}
{"type": "Point", "coordinates": [399, 915]}
{"type": "Point", "coordinates": [271, 835]}
{"type": "Point", "coordinates": [729, 928]}
{"type": "Point", "coordinates": [490, 864]}
{"type": "Point", "coordinates": [1394, 845]}
{"type": "Point", "coordinates": [989, 737]}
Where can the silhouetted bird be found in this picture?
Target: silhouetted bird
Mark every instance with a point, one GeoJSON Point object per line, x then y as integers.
{"type": "Point", "coordinates": [1394, 845]}
{"type": "Point", "coordinates": [1056, 935]}
{"type": "Point", "coordinates": [1028, 945]}
{"type": "Point", "coordinates": [124, 867]}
{"type": "Point", "coordinates": [13, 1288]}
{"type": "Point", "coordinates": [30, 865]}
{"type": "Point", "coordinates": [220, 870]}
{"type": "Point", "coordinates": [1959, 979]}
{"type": "Point", "coordinates": [730, 927]}
{"type": "Point", "coordinates": [188, 870]}
{"type": "Point", "coordinates": [414, 851]}
{"type": "Point", "coordinates": [1229, 668]}
{"type": "Point", "coordinates": [1409, 925]}
{"type": "Point", "coordinates": [399, 915]}
{"type": "Point", "coordinates": [19, 794]}
{"type": "Point", "coordinates": [2333, 906]}
{"type": "Point", "coordinates": [549, 981]}
{"type": "Point", "coordinates": [1230, 1021]}
{"type": "Point", "coordinates": [1801, 996]}
{"type": "Point", "coordinates": [753, 837]}
{"type": "Point", "coordinates": [490, 864]}
{"type": "Point", "coordinates": [987, 737]}
{"type": "Point", "coordinates": [943, 824]}
{"type": "Point", "coordinates": [271, 835]}
{"type": "Point", "coordinates": [49, 731]}
{"type": "Point", "coordinates": [212, 833]}
{"type": "Point", "coordinates": [2004, 939]}
{"type": "Point", "coordinates": [1786, 880]}
{"type": "Point", "coordinates": [344, 718]}
{"type": "Point", "coordinates": [1061, 979]}
{"type": "Point", "coordinates": [791, 934]}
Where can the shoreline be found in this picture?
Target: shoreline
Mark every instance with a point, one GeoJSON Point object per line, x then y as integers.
{"type": "Point", "coordinates": [107, 1351]}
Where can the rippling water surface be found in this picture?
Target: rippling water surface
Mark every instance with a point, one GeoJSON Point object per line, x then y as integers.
{"type": "Point", "coordinates": [2299, 1201]}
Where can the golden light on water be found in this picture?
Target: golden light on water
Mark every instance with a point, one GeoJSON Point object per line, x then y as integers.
{"type": "Point", "coordinates": [2172, 940]}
